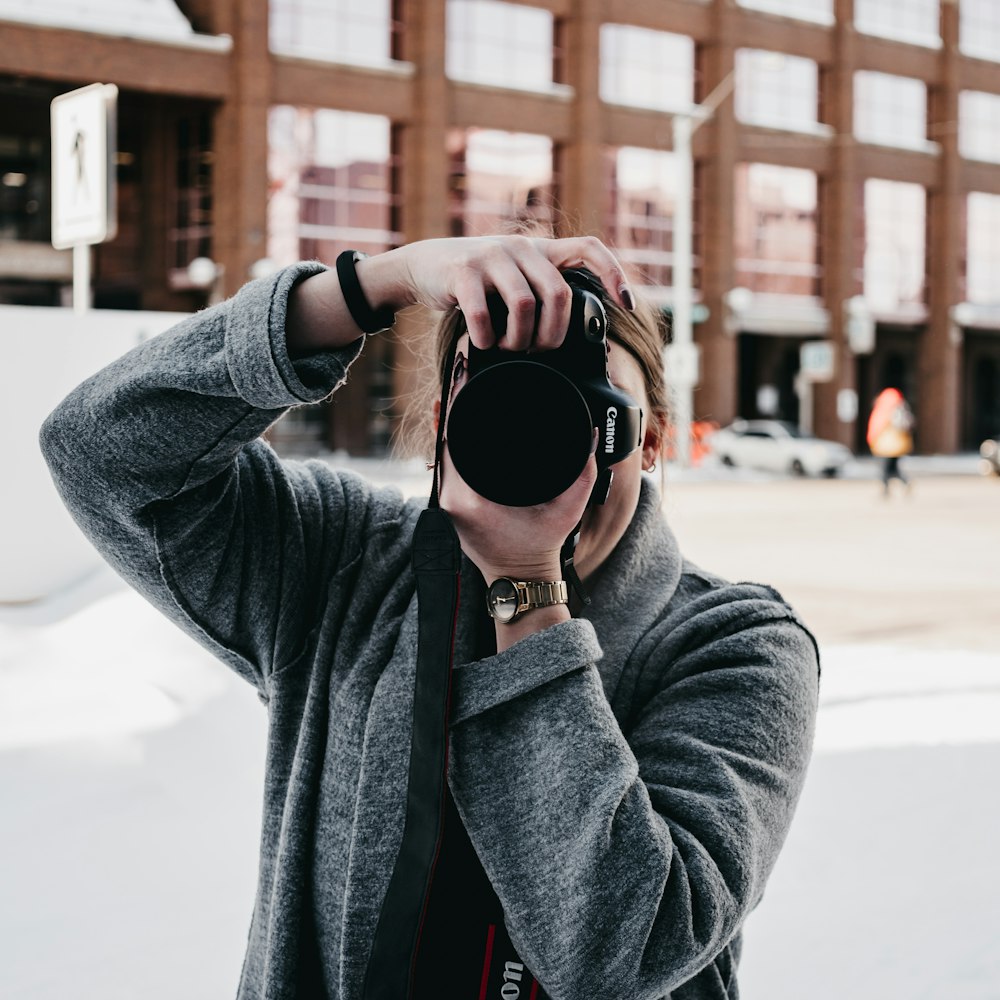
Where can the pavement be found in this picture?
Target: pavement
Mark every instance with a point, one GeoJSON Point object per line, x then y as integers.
{"type": "Point", "coordinates": [131, 762]}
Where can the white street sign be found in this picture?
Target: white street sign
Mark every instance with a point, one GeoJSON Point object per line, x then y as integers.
{"type": "Point", "coordinates": [847, 406]}
{"type": "Point", "coordinates": [816, 360]}
{"type": "Point", "coordinates": [84, 207]}
{"type": "Point", "coordinates": [682, 364]}
{"type": "Point", "coordinates": [768, 400]}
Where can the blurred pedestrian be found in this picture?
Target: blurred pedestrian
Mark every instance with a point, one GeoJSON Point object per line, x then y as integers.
{"type": "Point", "coordinates": [890, 435]}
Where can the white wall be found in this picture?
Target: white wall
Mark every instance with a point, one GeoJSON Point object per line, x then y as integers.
{"type": "Point", "coordinates": [44, 353]}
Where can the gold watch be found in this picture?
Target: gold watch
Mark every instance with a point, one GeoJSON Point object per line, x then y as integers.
{"type": "Point", "coordinates": [507, 599]}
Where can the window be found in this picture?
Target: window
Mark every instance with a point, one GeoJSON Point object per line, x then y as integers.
{"type": "Point", "coordinates": [157, 19]}
{"type": "Point", "coordinates": [333, 30]}
{"type": "Point", "coordinates": [25, 188]}
{"type": "Point", "coordinates": [190, 234]}
{"type": "Point", "coordinates": [895, 233]}
{"type": "Point", "coordinates": [331, 184]}
{"type": "Point", "coordinates": [979, 28]}
{"type": "Point", "coordinates": [640, 219]}
{"type": "Point", "coordinates": [914, 21]}
{"type": "Point", "coordinates": [646, 69]}
{"type": "Point", "coordinates": [500, 182]}
{"type": "Point", "coordinates": [979, 126]}
{"type": "Point", "coordinates": [777, 248]}
{"type": "Point", "coordinates": [890, 110]}
{"type": "Point", "coordinates": [776, 90]}
{"type": "Point", "coordinates": [983, 249]}
{"type": "Point", "coordinates": [820, 11]}
{"type": "Point", "coordinates": [502, 44]}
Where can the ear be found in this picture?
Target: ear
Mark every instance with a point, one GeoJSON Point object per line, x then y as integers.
{"type": "Point", "coordinates": [437, 414]}
{"type": "Point", "coordinates": [652, 441]}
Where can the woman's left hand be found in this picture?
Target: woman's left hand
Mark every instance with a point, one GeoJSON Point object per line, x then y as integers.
{"type": "Point", "coordinates": [523, 543]}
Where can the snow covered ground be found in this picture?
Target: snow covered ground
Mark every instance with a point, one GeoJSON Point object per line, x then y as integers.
{"type": "Point", "coordinates": [131, 776]}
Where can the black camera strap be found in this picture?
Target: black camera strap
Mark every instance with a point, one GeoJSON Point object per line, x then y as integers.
{"type": "Point", "coordinates": [567, 555]}
{"type": "Point", "coordinates": [437, 559]}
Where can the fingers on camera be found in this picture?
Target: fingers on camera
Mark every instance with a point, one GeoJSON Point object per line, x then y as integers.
{"type": "Point", "coordinates": [553, 322]}
{"type": "Point", "coordinates": [537, 298]}
{"type": "Point", "coordinates": [596, 257]}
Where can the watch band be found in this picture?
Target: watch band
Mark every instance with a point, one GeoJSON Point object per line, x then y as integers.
{"type": "Point", "coordinates": [538, 594]}
{"type": "Point", "coordinates": [368, 319]}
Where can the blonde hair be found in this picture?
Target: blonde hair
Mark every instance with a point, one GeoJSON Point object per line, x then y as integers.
{"type": "Point", "coordinates": [642, 333]}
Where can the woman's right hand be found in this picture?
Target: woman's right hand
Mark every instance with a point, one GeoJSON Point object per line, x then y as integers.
{"type": "Point", "coordinates": [459, 273]}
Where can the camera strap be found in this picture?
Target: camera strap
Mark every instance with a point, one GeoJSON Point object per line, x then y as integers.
{"type": "Point", "coordinates": [567, 555]}
{"type": "Point", "coordinates": [437, 560]}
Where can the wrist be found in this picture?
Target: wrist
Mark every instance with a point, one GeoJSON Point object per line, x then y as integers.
{"type": "Point", "coordinates": [383, 281]}
{"type": "Point", "coordinates": [545, 569]}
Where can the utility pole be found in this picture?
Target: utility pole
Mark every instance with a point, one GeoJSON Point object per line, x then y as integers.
{"type": "Point", "coordinates": [682, 357]}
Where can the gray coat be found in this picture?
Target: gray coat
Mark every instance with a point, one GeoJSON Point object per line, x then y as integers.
{"type": "Point", "coordinates": [627, 778]}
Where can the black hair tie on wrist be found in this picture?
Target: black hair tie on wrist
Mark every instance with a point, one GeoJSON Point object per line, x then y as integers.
{"type": "Point", "coordinates": [368, 319]}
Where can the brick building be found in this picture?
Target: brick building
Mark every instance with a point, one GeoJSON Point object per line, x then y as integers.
{"type": "Point", "coordinates": [850, 176]}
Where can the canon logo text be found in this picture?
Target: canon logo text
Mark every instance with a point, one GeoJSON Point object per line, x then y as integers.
{"type": "Point", "coordinates": [609, 430]}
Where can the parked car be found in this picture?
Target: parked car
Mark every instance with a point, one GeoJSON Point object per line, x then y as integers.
{"type": "Point", "coordinates": [989, 461]}
{"type": "Point", "coordinates": [777, 446]}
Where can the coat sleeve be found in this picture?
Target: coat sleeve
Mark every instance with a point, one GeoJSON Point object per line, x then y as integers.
{"type": "Point", "coordinates": [159, 459]}
{"type": "Point", "coordinates": [627, 858]}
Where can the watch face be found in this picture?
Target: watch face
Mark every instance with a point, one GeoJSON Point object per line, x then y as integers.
{"type": "Point", "coordinates": [502, 600]}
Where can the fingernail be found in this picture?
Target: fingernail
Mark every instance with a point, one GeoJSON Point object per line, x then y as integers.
{"type": "Point", "coordinates": [627, 298]}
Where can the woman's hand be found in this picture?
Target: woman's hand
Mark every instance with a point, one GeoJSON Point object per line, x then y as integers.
{"type": "Point", "coordinates": [523, 543]}
{"type": "Point", "coordinates": [449, 273]}
{"type": "Point", "coordinates": [459, 273]}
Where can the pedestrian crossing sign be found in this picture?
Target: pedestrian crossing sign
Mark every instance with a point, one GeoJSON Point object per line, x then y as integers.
{"type": "Point", "coordinates": [83, 166]}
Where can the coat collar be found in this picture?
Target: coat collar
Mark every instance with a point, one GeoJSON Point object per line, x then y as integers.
{"type": "Point", "coordinates": [635, 584]}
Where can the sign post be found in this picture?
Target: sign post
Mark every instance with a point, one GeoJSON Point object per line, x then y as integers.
{"type": "Point", "coordinates": [84, 202]}
{"type": "Point", "coordinates": [817, 360]}
{"type": "Point", "coordinates": [685, 353]}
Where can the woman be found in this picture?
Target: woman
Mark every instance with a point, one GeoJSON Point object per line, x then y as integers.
{"type": "Point", "coordinates": [620, 781]}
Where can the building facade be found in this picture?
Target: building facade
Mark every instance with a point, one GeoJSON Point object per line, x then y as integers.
{"type": "Point", "coordinates": [847, 182]}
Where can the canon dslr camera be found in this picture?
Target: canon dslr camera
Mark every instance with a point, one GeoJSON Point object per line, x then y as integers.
{"type": "Point", "coordinates": [521, 430]}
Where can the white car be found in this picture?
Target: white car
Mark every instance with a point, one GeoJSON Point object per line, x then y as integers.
{"type": "Point", "coordinates": [777, 446]}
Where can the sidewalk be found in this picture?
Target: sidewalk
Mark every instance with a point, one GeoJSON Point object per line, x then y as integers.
{"type": "Point", "coordinates": [889, 884]}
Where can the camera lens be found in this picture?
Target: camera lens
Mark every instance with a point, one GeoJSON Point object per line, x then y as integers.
{"type": "Point", "coordinates": [519, 433]}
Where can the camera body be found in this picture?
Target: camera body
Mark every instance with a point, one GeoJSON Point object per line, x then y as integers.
{"type": "Point", "coordinates": [521, 430]}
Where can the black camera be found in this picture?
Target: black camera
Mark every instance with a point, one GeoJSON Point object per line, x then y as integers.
{"type": "Point", "coordinates": [521, 430]}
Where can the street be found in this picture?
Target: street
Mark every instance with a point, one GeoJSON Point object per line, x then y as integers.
{"type": "Point", "coordinates": [919, 568]}
{"type": "Point", "coordinates": [131, 765]}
